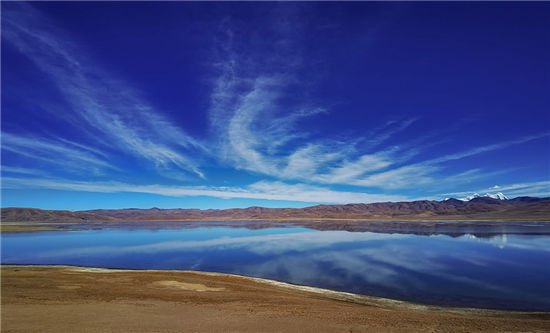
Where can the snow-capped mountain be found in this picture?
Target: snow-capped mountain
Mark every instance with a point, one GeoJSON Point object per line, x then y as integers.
{"type": "Point", "coordinates": [498, 196]}
{"type": "Point", "coordinates": [470, 197]}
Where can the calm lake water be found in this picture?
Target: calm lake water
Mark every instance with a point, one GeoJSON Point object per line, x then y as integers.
{"type": "Point", "coordinates": [499, 271]}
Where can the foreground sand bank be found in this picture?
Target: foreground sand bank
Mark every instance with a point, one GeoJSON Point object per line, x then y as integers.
{"type": "Point", "coordinates": [77, 299]}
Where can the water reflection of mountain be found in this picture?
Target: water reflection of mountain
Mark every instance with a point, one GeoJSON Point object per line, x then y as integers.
{"type": "Point", "coordinates": [452, 229]}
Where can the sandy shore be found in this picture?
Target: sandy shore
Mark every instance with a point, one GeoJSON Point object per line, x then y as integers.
{"type": "Point", "coordinates": [76, 299]}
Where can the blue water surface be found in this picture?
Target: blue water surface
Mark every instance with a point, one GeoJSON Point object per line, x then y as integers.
{"type": "Point", "coordinates": [501, 272]}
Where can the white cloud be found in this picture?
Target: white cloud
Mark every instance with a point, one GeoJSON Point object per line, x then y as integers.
{"type": "Point", "coordinates": [535, 189]}
{"type": "Point", "coordinates": [305, 162]}
{"type": "Point", "coordinates": [309, 193]}
{"type": "Point", "coordinates": [254, 128]}
{"type": "Point", "coordinates": [348, 172]}
{"type": "Point", "coordinates": [243, 141]}
{"type": "Point", "coordinates": [258, 133]}
{"type": "Point", "coordinates": [403, 177]}
{"type": "Point", "coordinates": [388, 130]}
{"type": "Point", "coordinates": [484, 149]}
{"type": "Point", "coordinates": [260, 190]}
{"type": "Point", "coordinates": [23, 171]}
{"type": "Point", "coordinates": [104, 104]}
{"type": "Point", "coordinates": [59, 153]}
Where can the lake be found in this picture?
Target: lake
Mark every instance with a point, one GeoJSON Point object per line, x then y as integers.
{"type": "Point", "coordinates": [503, 269]}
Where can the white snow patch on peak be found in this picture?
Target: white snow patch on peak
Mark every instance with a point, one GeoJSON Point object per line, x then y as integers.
{"type": "Point", "coordinates": [470, 197]}
{"type": "Point", "coordinates": [498, 196]}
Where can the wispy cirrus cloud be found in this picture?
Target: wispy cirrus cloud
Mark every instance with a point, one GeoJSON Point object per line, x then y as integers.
{"type": "Point", "coordinates": [488, 148]}
{"type": "Point", "coordinates": [21, 171]}
{"type": "Point", "coordinates": [539, 189]}
{"type": "Point", "coordinates": [259, 132]}
{"type": "Point", "coordinates": [71, 156]}
{"type": "Point", "coordinates": [262, 126]}
{"type": "Point", "coordinates": [247, 105]}
{"type": "Point", "coordinates": [424, 172]}
{"type": "Point", "coordinates": [383, 133]}
{"type": "Point", "coordinates": [260, 190]}
{"type": "Point", "coordinates": [100, 103]}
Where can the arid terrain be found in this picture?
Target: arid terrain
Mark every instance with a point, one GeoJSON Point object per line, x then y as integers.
{"type": "Point", "coordinates": [73, 299]}
{"type": "Point", "coordinates": [477, 209]}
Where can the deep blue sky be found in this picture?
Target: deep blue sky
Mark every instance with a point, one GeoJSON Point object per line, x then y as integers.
{"type": "Point", "coordinates": [216, 105]}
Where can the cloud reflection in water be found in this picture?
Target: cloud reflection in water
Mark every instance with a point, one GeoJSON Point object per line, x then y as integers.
{"type": "Point", "coordinates": [499, 272]}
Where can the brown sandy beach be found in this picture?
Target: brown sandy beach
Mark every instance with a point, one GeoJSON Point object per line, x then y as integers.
{"type": "Point", "coordinates": [74, 299]}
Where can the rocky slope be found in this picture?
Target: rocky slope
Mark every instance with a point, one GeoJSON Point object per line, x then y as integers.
{"type": "Point", "coordinates": [479, 208]}
{"type": "Point", "coordinates": [40, 215]}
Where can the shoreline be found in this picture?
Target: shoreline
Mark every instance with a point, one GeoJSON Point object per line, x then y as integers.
{"type": "Point", "coordinates": [380, 302]}
{"type": "Point", "coordinates": [319, 224]}
{"type": "Point", "coordinates": [297, 219]}
{"type": "Point", "coordinates": [51, 298]}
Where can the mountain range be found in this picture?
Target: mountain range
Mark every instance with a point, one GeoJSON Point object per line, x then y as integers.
{"type": "Point", "coordinates": [477, 208]}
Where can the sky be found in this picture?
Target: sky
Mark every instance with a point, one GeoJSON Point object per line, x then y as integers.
{"type": "Point", "coordinates": [275, 104]}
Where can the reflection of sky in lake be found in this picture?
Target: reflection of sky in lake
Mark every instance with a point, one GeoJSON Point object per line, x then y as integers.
{"type": "Point", "coordinates": [506, 271]}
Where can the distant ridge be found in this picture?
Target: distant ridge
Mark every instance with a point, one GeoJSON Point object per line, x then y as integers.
{"type": "Point", "coordinates": [41, 215]}
{"type": "Point", "coordinates": [478, 208]}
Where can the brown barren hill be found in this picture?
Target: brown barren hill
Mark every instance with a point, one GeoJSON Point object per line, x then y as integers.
{"type": "Point", "coordinates": [41, 215]}
{"type": "Point", "coordinates": [483, 208]}
{"type": "Point", "coordinates": [528, 208]}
